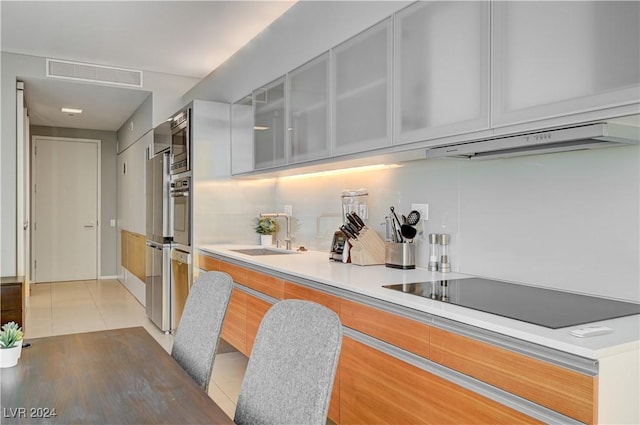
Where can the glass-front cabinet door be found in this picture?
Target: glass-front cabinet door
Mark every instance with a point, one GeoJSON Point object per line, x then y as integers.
{"type": "Point", "coordinates": [441, 70]}
{"type": "Point", "coordinates": [308, 109]}
{"type": "Point", "coordinates": [242, 135]}
{"type": "Point", "coordinates": [361, 70]}
{"type": "Point", "coordinates": [556, 58]}
{"type": "Point", "coordinates": [269, 125]}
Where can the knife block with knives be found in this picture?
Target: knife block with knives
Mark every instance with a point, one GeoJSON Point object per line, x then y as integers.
{"type": "Point", "coordinates": [367, 248]}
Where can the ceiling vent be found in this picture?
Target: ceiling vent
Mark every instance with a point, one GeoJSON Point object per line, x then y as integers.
{"type": "Point", "coordinates": [93, 73]}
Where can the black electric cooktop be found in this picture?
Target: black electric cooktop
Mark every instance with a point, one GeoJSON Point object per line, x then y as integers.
{"type": "Point", "coordinates": [545, 307]}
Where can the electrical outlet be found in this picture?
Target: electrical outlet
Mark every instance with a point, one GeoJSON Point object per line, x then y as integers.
{"type": "Point", "coordinates": [423, 209]}
{"type": "Point", "coordinates": [288, 209]}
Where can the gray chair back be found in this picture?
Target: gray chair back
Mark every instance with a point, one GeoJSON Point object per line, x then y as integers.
{"type": "Point", "coordinates": [196, 339]}
{"type": "Point", "coordinates": [292, 366]}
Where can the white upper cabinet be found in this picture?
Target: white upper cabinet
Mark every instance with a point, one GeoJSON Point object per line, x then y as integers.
{"type": "Point", "coordinates": [308, 109]}
{"type": "Point", "coordinates": [269, 125]}
{"type": "Point", "coordinates": [362, 91]}
{"type": "Point", "coordinates": [441, 70]}
{"type": "Point", "coordinates": [558, 58]}
{"type": "Point", "coordinates": [242, 135]}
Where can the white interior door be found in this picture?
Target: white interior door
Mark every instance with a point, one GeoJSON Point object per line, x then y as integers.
{"type": "Point", "coordinates": [66, 198]}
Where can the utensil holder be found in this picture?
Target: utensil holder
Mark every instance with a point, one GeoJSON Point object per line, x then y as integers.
{"type": "Point", "coordinates": [400, 255]}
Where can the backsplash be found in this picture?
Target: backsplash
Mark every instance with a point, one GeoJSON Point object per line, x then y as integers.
{"type": "Point", "coordinates": [567, 221]}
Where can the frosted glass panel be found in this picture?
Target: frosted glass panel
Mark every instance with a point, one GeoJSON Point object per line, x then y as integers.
{"type": "Point", "coordinates": [308, 110]}
{"type": "Point", "coordinates": [242, 135]}
{"type": "Point", "coordinates": [442, 51]}
{"type": "Point", "coordinates": [269, 125]}
{"type": "Point", "coordinates": [564, 55]}
{"type": "Point", "coordinates": [362, 68]}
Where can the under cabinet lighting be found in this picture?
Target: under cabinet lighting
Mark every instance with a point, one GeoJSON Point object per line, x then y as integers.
{"type": "Point", "coordinates": [257, 127]}
{"type": "Point", "coordinates": [343, 171]}
{"type": "Point", "coordinates": [71, 111]}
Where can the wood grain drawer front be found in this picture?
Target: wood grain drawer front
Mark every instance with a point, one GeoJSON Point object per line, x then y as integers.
{"type": "Point", "coordinates": [234, 326]}
{"type": "Point", "coordinates": [334, 403]}
{"type": "Point", "coordinates": [209, 264]}
{"type": "Point", "coordinates": [266, 284]}
{"type": "Point", "coordinates": [256, 309]}
{"type": "Point", "coordinates": [570, 393]}
{"type": "Point", "coordinates": [299, 292]}
{"type": "Point", "coordinates": [376, 388]}
{"type": "Point", "coordinates": [237, 273]}
{"type": "Point", "coordinates": [402, 332]}
{"type": "Point", "coordinates": [12, 316]}
{"type": "Point", "coordinates": [11, 297]}
{"type": "Point", "coordinates": [133, 253]}
{"type": "Point", "coordinates": [137, 255]}
{"type": "Point", "coordinates": [124, 249]}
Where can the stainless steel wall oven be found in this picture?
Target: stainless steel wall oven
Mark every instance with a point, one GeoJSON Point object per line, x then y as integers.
{"type": "Point", "coordinates": [181, 195]}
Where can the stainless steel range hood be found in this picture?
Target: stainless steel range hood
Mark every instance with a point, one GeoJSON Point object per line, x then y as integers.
{"type": "Point", "coordinates": [590, 136]}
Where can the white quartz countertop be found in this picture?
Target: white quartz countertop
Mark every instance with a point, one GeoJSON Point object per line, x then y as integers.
{"type": "Point", "coordinates": [368, 280]}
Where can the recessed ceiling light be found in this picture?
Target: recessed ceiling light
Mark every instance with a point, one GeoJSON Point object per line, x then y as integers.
{"type": "Point", "coordinates": [71, 110]}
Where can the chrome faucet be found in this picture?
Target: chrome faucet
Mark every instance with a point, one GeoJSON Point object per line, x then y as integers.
{"type": "Point", "coordinates": [286, 216]}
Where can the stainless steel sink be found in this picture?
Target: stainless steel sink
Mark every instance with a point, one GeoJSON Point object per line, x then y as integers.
{"type": "Point", "coordinates": [263, 251]}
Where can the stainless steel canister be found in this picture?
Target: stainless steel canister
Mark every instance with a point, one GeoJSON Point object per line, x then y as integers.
{"type": "Point", "coordinates": [400, 255]}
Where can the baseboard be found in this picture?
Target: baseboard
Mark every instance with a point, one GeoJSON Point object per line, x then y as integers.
{"type": "Point", "coordinates": [108, 277]}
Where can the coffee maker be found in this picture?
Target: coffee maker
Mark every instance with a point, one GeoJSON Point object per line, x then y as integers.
{"type": "Point", "coordinates": [353, 201]}
{"type": "Point", "coordinates": [338, 246]}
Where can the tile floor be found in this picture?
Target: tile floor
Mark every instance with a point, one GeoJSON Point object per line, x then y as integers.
{"type": "Point", "coordinates": [83, 306]}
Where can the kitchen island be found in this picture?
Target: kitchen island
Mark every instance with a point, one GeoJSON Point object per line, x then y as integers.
{"type": "Point", "coordinates": [604, 364]}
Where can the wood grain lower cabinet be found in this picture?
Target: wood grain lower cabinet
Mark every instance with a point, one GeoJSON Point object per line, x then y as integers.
{"type": "Point", "coordinates": [299, 292]}
{"type": "Point", "coordinates": [12, 298]}
{"type": "Point", "coordinates": [373, 387]}
{"type": "Point", "coordinates": [566, 391]}
{"type": "Point", "coordinates": [133, 253]}
{"type": "Point", "coordinates": [264, 283]}
{"type": "Point", "coordinates": [235, 322]}
{"type": "Point", "coordinates": [376, 388]}
{"type": "Point", "coordinates": [399, 331]}
{"type": "Point", "coordinates": [256, 309]}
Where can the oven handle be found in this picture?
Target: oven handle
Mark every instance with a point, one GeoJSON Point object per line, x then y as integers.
{"type": "Point", "coordinates": [179, 194]}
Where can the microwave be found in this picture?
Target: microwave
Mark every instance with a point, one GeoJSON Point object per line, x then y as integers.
{"type": "Point", "coordinates": [180, 138]}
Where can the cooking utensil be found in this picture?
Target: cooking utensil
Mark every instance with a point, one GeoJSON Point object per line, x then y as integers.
{"type": "Point", "coordinates": [393, 212]}
{"type": "Point", "coordinates": [413, 218]}
{"type": "Point", "coordinates": [408, 231]}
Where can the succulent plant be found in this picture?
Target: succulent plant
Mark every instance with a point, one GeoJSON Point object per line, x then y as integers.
{"type": "Point", "coordinates": [10, 334]}
{"type": "Point", "coordinates": [266, 226]}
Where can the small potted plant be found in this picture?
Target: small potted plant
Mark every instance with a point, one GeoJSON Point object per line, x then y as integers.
{"type": "Point", "coordinates": [10, 344]}
{"type": "Point", "coordinates": [266, 228]}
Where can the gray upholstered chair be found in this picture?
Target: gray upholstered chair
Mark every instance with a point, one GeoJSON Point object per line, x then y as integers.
{"type": "Point", "coordinates": [196, 339]}
{"type": "Point", "coordinates": [292, 366]}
